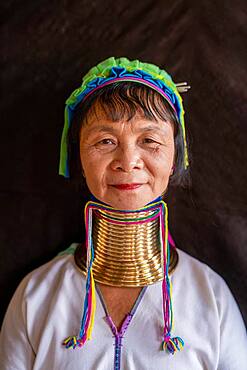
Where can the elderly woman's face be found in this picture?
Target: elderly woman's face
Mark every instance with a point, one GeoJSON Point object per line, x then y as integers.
{"type": "Point", "coordinates": [127, 164]}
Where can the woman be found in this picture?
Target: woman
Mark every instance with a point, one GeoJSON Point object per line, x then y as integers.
{"type": "Point", "coordinates": [124, 133]}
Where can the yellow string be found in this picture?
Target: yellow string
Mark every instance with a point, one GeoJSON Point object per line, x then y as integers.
{"type": "Point", "coordinates": [90, 328]}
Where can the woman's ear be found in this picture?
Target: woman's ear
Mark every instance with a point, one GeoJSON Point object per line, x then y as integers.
{"type": "Point", "coordinates": [172, 170]}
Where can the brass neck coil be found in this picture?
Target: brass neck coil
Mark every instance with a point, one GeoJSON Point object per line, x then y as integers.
{"type": "Point", "coordinates": [126, 253]}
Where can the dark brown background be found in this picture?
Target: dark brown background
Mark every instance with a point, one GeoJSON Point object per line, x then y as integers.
{"type": "Point", "coordinates": [46, 47]}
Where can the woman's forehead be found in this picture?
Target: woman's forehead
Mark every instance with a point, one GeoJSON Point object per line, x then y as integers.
{"type": "Point", "coordinates": [99, 122]}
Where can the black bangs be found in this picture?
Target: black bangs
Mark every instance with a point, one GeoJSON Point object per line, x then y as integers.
{"type": "Point", "coordinates": [123, 100]}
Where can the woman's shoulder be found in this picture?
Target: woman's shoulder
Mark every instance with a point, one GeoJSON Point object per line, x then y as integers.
{"type": "Point", "coordinates": [188, 263]}
{"type": "Point", "coordinates": [202, 282]}
{"type": "Point", "coordinates": [205, 292]}
{"type": "Point", "coordinates": [51, 274]}
{"type": "Point", "coordinates": [190, 267]}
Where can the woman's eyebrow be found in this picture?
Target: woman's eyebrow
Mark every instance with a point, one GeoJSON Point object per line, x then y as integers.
{"type": "Point", "coordinates": [152, 128]}
{"type": "Point", "coordinates": [102, 129]}
{"type": "Point", "coordinates": [113, 129]}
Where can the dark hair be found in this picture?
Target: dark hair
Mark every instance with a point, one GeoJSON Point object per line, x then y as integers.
{"type": "Point", "coordinates": [125, 99]}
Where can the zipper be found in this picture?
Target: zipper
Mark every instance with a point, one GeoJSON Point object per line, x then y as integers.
{"type": "Point", "coordinates": [120, 334]}
{"type": "Point", "coordinates": [118, 338]}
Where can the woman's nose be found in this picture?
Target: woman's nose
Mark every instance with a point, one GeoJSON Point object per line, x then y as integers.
{"type": "Point", "coordinates": [127, 159]}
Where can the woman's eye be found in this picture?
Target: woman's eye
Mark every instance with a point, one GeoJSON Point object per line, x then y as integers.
{"type": "Point", "coordinates": [150, 142]}
{"type": "Point", "coordinates": [106, 142]}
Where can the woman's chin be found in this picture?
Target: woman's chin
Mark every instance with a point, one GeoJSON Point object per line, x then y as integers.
{"type": "Point", "coordinates": [128, 206]}
{"type": "Point", "coordinates": [128, 203]}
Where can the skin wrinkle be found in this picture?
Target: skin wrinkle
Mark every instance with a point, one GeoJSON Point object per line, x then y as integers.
{"type": "Point", "coordinates": [105, 128]}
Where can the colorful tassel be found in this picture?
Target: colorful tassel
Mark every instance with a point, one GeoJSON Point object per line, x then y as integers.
{"type": "Point", "coordinates": [90, 299]}
{"type": "Point", "coordinates": [72, 342]}
{"type": "Point", "coordinates": [171, 345]}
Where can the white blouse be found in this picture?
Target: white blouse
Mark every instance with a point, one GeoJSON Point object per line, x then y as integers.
{"type": "Point", "coordinates": [48, 305]}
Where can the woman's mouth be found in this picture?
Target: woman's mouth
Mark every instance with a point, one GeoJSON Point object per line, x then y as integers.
{"type": "Point", "coordinates": [131, 186]}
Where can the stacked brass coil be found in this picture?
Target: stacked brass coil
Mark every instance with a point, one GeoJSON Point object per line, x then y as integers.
{"type": "Point", "coordinates": [126, 254]}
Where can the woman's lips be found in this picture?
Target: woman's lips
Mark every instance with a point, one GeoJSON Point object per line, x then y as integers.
{"type": "Point", "coordinates": [127, 186]}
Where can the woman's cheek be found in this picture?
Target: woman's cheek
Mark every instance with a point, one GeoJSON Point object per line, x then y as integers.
{"type": "Point", "coordinates": [96, 171]}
